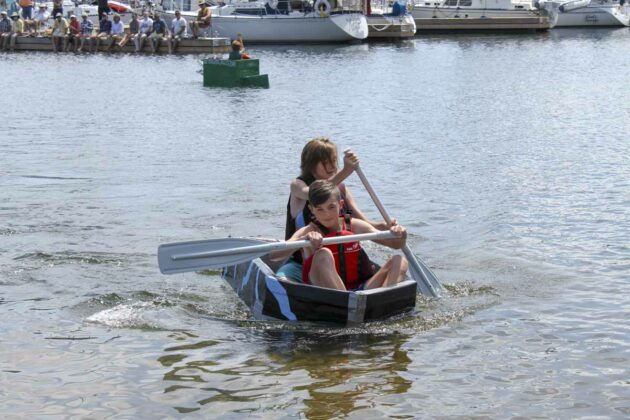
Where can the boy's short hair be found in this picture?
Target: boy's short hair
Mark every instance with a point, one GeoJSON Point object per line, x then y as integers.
{"type": "Point", "coordinates": [321, 191]}
{"type": "Point", "coordinates": [320, 149]}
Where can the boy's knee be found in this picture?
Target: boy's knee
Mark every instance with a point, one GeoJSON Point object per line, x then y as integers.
{"type": "Point", "coordinates": [323, 255]}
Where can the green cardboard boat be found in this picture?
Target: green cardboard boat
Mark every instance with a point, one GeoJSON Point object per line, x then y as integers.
{"type": "Point", "coordinates": [233, 73]}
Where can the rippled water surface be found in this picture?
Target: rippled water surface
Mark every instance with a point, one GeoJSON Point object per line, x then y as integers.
{"type": "Point", "coordinates": [506, 156]}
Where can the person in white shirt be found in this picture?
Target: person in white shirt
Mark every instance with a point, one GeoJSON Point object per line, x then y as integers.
{"type": "Point", "coordinates": [146, 27]}
{"type": "Point", "coordinates": [118, 31]}
{"type": "Point", "coordinates": [179, 30]}
{"type": "Point", "coordinates": [40, 20]}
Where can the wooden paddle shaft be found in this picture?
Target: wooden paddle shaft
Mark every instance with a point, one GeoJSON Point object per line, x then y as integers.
{"type": "Point", "coordinates": [279, 246]}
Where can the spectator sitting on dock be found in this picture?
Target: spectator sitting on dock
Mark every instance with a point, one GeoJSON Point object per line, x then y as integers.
{"type": "Point", "coordinates": [5, 28]}
{"type": "Point", "coordinates": [134, 27]}
{"type": "Point", "coordinates": [40, 21]}
{"type": "Point", "coordinates": [118, 31]}
{"type": "Point", "coordinates": [204, 18]}
{"type": "Point", "coordinates": [59, 32]}
{"type": "Point", "coordinates": [74, 34]}
{"type": "Point", "coordinates": [179, 30]}
{"type": "Point", "coordinates": [160, 32]}
{"type": "Point", "coordinates": [146, 27]}
{"type": "Point", "coordinates": [86, 31]}
{"type": "Point", "coordinates": [104, 31]}
{"type": "Point", "coordinates": [17, 29]}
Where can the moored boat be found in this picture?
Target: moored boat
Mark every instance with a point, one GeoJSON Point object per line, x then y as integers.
{"type": "Point", "coordinates": [588, 12]}
{"type": "Point", "coordinates": [387, 21]}
{"type": "Point", "coordinates": [273, 21]}
{"type": "Point", "coordinates": [272, 298]}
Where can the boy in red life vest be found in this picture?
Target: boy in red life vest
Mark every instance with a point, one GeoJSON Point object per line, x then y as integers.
{"type": "Point", "coordinates": [343, 266]}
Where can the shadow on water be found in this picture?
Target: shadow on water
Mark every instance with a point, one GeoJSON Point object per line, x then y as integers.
{"type": "Point", "coordinates": [331, 373]}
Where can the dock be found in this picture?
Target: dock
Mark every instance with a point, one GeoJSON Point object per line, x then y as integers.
{"type": "Point", "coordinates": [533, 23]}
{"type": "Point", "coordinates": [186, 46]}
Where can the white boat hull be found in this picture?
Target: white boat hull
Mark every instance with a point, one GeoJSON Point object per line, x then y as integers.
{"type": "Point", "coordinates": [292, 28]}
{"type": "Point", "coordinates": [425, 12]}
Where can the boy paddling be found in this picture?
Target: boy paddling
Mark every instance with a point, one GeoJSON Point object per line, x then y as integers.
{"type": "Point", "coordinates": [343, 266]}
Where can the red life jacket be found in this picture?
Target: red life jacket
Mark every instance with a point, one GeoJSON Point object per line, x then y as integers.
{"type": "Point", "coordinates": [351, 262]}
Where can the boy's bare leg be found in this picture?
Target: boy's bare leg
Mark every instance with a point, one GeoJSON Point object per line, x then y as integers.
{"type": "Point", "coordinates": [323, 272]}
{"type": "Point", "coordinates": [13, 40]}
{"type": "Point", "coordinates": [397, 271]}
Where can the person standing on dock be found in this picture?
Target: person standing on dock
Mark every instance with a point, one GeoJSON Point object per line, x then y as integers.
{"type": "Point", "coordinates": [86, 31]}
{"type": "Point", "coordinates": [59, 32]}
{"type": "Point", "coordinates": [179, 30]}
{"type": "Point", "coordinates": [159, 33]}
{"type": "Point", "coordinates": [146, 27]}
{"type": "Point", "coordinates": [104, 31]}
{"type": "Point", "coordinates": [57, 7]}
{"type": "Point", "coordinates": [204, 19]}
{"type": "Point", "coordinates": [74, 33]}
{"type": "Point", "coordinates": [27, 9]}
{"type": "Point", "coordinates": [103, 7]}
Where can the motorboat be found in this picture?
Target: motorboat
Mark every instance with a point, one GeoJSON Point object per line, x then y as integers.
{"type": "Point", "coordinates": [390, 20]}
{"type": "Point", "coordinates": [589, 12]}
{"type": "Point", "coordinates": [282, 21]}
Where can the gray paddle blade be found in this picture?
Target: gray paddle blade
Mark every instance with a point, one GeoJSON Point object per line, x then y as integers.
{"type": "Point", "coordinates": [180, 257]}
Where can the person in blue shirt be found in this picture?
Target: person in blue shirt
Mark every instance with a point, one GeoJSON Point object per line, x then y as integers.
{"type": "Point", "coordinates": [159, 33]}
{"type": "Point", "coordinates": [104, 31]}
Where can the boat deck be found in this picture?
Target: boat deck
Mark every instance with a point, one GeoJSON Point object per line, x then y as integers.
{"type": "Point", "coordinates": [535, 23]}
{"type": "Point", "coordinates": [381, 27]}
{"type": "Point", "coordinates": [186, 46]}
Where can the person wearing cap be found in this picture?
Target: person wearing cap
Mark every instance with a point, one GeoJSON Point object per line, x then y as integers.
{"type": "Point", "coordinates": [17, 29]}
{"type": "Point", "coordinates": [118, 31]}
{"type": "Point", "coordinates": [85, 34]}
{"type": "Point", "coordinates": [104, 32]}
{"type": "Point", "coordinates": [179, 30]}
{"type": "Point", "coordinates": [5, 28]}
{"type": "Point", "coordinates": [134, 27]}
{"type": "Point", "coordinates": [203, 20]}
{"type": "Point", "coordinates": [59, 32]}
{"type": "Point", "coordinates": [27, 8]}
{"type": "Point", "coordinates": [159, 33]}
{"type": "Point", "coordinates": [146, 27]}
{"type": "Point", "coordinates": [40, 20]}
{"type": "Point", "coordinates": [74, 32]}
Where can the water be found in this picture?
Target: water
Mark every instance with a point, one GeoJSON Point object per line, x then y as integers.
{"type": "Point", "coordinates": [506, 156]}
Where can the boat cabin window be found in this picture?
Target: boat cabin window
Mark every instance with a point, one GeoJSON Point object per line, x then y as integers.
{"type": "Point", "coordinates": [465, 3]}
{"type": "Point", "coordinates": [450, 3]}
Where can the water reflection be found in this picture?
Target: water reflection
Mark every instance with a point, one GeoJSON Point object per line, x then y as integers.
{"type": "Point", "coordinates": [331, 373]}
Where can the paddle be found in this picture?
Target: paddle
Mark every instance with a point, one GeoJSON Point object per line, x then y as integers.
{"type": "Point", "coordinates": [181, 257]}
{"type": "Point", "coordinates": [428, 284]}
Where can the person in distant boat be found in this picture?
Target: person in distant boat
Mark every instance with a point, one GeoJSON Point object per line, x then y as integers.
{"type": "Point", "coordinates": [74, 33]}
{"type": "Point", "coordinates": [179, 30]}
{"type": "Point", "coordinates": [146, 27]}
{"type": "Point", "coordinates": [318, 161]}
{"type": "Point", "coordinates": [237, 52]}
{"type": "Point", "coordinates": [342, 266]}
{"type": "Point", "coordinates": [159, 33]}
{"type": "Point", "coordinates": [5, 29]}
{"type": "Point", "coordinates": [86, 31]}
{"type": "Point", "coordinates": [59, 32]}
{"type": "Point", "coordinates": [104, 32]}
{"type": "Point", "coordinates": [17, 29]}
{"type": "Point", "coordinates": [118, 32]}
{"type": "Point", "coordinates": [134, 28]}
{"type": "Point", "coordinates": [204, 19]}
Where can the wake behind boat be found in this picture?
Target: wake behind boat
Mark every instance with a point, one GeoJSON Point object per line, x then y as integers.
{"type": "Point", "coordinates": [273, 21]}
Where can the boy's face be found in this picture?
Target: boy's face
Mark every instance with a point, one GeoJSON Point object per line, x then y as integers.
{"type": "Point", "coordinates": [328, 213]}
{"type": "Point", "coordinates": [325, 170]}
